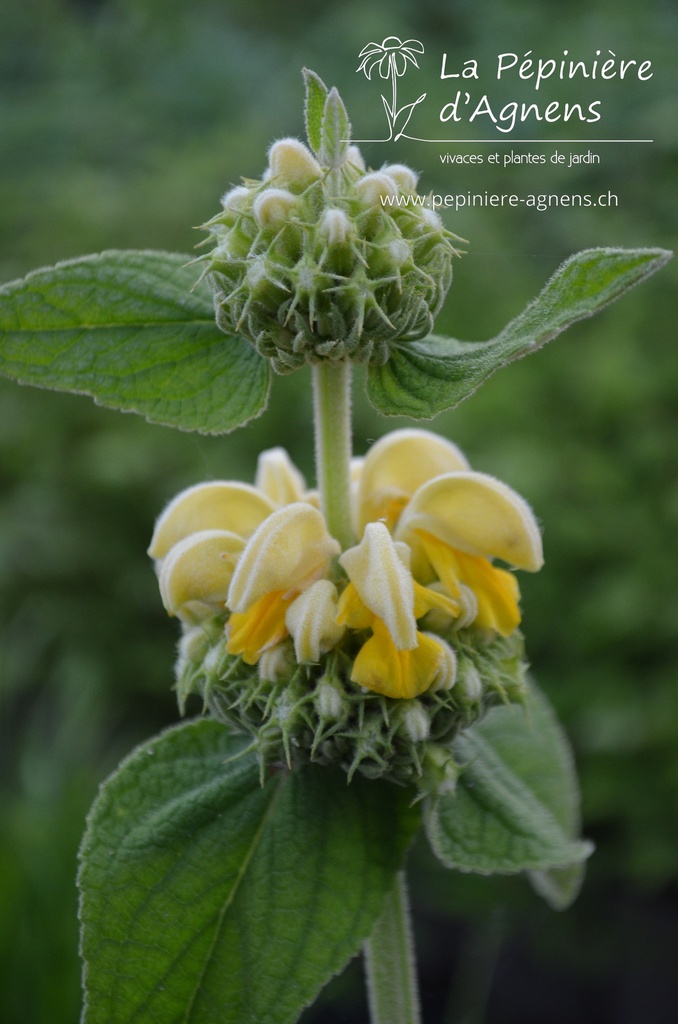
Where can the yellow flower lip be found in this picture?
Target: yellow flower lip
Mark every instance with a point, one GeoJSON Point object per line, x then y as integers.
{"type": "Point", "coordinates": [219, 505]}
{"type": "Point", "coordinates": [259, 629]}
{"type": "Point", "coordinates": [476, 514]}
{"type": "Point", "coordinates": [386, 669]}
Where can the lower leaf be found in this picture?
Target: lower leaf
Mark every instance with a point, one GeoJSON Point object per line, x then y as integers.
{"type": "Point", "coordinates": [516, 804]}
{"type": "Point", "coordinates": [559, 886]}
{"type": "Point", "coordinates": [208, 898]}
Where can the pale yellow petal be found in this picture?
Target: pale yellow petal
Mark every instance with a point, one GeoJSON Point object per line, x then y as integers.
{"type": "Point", "coordinates": [313, 497]}
{"type": "Point", "coordinates": [199, 568]}
{"type": "Point", "coordinates": [219, 505]}
{"type": "Point", "coordinates": [477, 514]}
{"type": "Point", "coordinates": [312, 621]}
{"type": "Point", "coordinates": [384, 584]}
{"type": "Point", "coordinates": [396, 466]}
{"type": "Point", "coordinates": [288, 552]}
{"type": "Point", "coordinates": [356, 468]}
{"type": "Point", "coordinates": [279, 478]}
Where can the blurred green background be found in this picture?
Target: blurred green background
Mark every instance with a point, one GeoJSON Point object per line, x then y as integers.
{"type": "Point", "coordinates": [121, 123]}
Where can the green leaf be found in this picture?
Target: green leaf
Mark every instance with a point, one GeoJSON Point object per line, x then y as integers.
{"type": "Point", "coordinates": [424, 377]}
{"type": "Point", "coordinates": [335, 132]}
{"type": "Point", "coordinates": [209, 899]}
{"type": "Point", "coordinates": [516, 804]}
{"type": "Point", "coordinates": [316, 95]}
{"type": "Point", "coordinates": [135, 332]}
{"type": "Point", "coordinates": [560, 886]}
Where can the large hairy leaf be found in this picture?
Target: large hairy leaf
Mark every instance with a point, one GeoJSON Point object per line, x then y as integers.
{"type": "Point", "coordinates": [424, 377]}
{"type": "Point", "coordinates": [134, 331]}
{"type": "Point", "coordinates": [208, 898]}
{"type": "Point", "coordinates": [516, 807]}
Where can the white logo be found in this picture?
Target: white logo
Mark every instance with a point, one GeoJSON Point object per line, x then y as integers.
{"type": "Point", "coordinates": [391, 57]}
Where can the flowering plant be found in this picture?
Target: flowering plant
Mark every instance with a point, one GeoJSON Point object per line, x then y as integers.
{"type": "Point", "coordinates": [356, 647]}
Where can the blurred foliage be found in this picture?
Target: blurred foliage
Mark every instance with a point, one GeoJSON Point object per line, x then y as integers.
{"type": "Point", "coordinates": [121, 123]}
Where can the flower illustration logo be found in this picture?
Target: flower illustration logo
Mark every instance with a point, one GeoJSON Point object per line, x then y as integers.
{"type": "Point", "coordinates": [391, 57]}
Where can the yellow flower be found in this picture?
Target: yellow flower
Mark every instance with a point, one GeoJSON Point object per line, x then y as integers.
{"type": "Point", "coordinates": [430, 529]}
{"type": "Point", "coordinates": [197, 541]}
{"type": "Point", "coordinates": [201, 534]}
{"type": "Point", "coordinates": [285, 556]}
{"type": "Point", "coordinates": [454, 521]}
{"type": "Point", "coordinates": [397, 660]}
{"type": "Point", "coordinates": [395, 467]}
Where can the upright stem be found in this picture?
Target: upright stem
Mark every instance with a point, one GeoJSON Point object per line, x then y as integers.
{"type": "Point", "coordinates": [390, 964]}
{"type": "Point", "coordinates": [332, 421]}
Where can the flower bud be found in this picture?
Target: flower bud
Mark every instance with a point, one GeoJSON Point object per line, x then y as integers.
{"type": "Point", "coordinates": [470, 683]}
{"type": "Point", "coordinates": [236, 199]}
{"type": "Point", "coordinates": [192, 647]}
{"type": "Point", "coordinates": [335, 227]}
{"type": "Point", "coordinates": [330, 702]}
{"type": "Point", "coordinates": [374, 188]}
{"type": "Point", "coordinates": [468, 607]}
{"type": "Point", "coordinates": [321, 263]}
{"type": "Point", "coordinates": [405, 178]}
{"type": "Point", "coordinates": [213, 659]}
{"type": "Point", "coordinates": [277, 664]}
{"type": "Point", "coordinates": [312, 621]}
{"type": "Point", "coordinates": [447, 669]}
{"type": "Point", "coordinates": [399, 251]}
{"type": "Point", "coordinates": [440, 773]}
{"type": "Point", "coordinates": [273, 207]}
{"type": "Point", "coordinates": [431, 219]}
{"type": "Point", "coordinates": [416, 722]}
{"type": "Point", "coordinates": [355, 158]}
{"type": "Point", "coordinates": [293, 164]}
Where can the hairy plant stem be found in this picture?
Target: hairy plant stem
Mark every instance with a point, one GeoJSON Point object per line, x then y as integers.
{"type": "Point", "coordinates": [332, 422]}
{"type": "Point", "coordinates": [390, 965]}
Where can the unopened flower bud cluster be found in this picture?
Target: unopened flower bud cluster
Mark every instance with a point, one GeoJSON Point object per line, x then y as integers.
{"type": "Point", "coordinates": [312, 264]}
